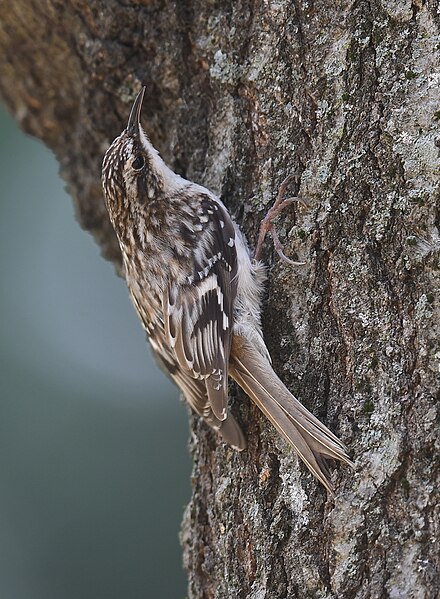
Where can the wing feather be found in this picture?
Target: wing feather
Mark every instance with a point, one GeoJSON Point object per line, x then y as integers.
{"type": "Point", "coordinates": [199, 314]}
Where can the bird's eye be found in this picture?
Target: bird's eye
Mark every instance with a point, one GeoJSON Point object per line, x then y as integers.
{"type": "Point", "coordinates": [138, 163]}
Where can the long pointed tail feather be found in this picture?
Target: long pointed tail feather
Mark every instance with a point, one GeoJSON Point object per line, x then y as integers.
{"type": "Point", "coordinates": [308, 436]}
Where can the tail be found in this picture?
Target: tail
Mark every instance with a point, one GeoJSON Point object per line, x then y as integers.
{"type": "Point", "coordinates": [313, 441]}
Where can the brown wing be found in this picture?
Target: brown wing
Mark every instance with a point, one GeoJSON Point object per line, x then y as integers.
{"type": "Point", "coordinates": [195, 392]}
{"type": "Point", "coordinates": [198, 315]}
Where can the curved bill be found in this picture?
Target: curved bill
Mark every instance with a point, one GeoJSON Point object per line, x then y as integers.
{"type": "Point", "coordinates": [134, 120]}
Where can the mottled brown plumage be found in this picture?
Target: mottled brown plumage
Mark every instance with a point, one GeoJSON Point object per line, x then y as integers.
{"type": "Point", "coordinates": [197, 293]}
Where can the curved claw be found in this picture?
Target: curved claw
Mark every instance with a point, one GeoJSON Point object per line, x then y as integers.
{"type": "Point", "coordinates": [267, 225]}
{"type": "Point", "coordinates": [280, 250]}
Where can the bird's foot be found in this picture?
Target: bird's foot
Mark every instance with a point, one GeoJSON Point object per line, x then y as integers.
{"type": "Point", "coordinates": [267, 225]}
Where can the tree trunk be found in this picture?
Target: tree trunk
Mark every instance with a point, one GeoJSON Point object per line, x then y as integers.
{"type": "Point", "coordinates": [239, 95]}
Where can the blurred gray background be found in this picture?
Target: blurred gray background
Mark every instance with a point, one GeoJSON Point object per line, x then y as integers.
{"type": "Point", "coordinates": [94, 468]}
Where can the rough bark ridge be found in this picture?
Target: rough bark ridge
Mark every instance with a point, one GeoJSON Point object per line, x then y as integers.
{"type": "Point", "coordinates": [241, 94]}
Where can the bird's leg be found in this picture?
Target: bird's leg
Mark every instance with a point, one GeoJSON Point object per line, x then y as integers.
{"type": "Point", "coordinates": [267, 225]}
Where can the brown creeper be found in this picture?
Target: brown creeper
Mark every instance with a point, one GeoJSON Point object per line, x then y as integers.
{"type": "Point", "coordinates": [197, 293]}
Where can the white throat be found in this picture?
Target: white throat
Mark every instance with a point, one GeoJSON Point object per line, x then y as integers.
{"type": "Point", "coordinates": [170, 179]}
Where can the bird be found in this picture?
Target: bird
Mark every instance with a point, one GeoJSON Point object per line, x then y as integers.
{"type": "Point", "coordinates": [198, 292]}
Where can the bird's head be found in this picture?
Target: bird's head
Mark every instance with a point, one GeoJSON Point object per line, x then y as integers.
{"type": "Point", "coordinates": [132, 168]}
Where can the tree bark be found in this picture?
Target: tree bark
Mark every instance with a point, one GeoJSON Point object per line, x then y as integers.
{"type": "Point", "coordinates": [239, 95]}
